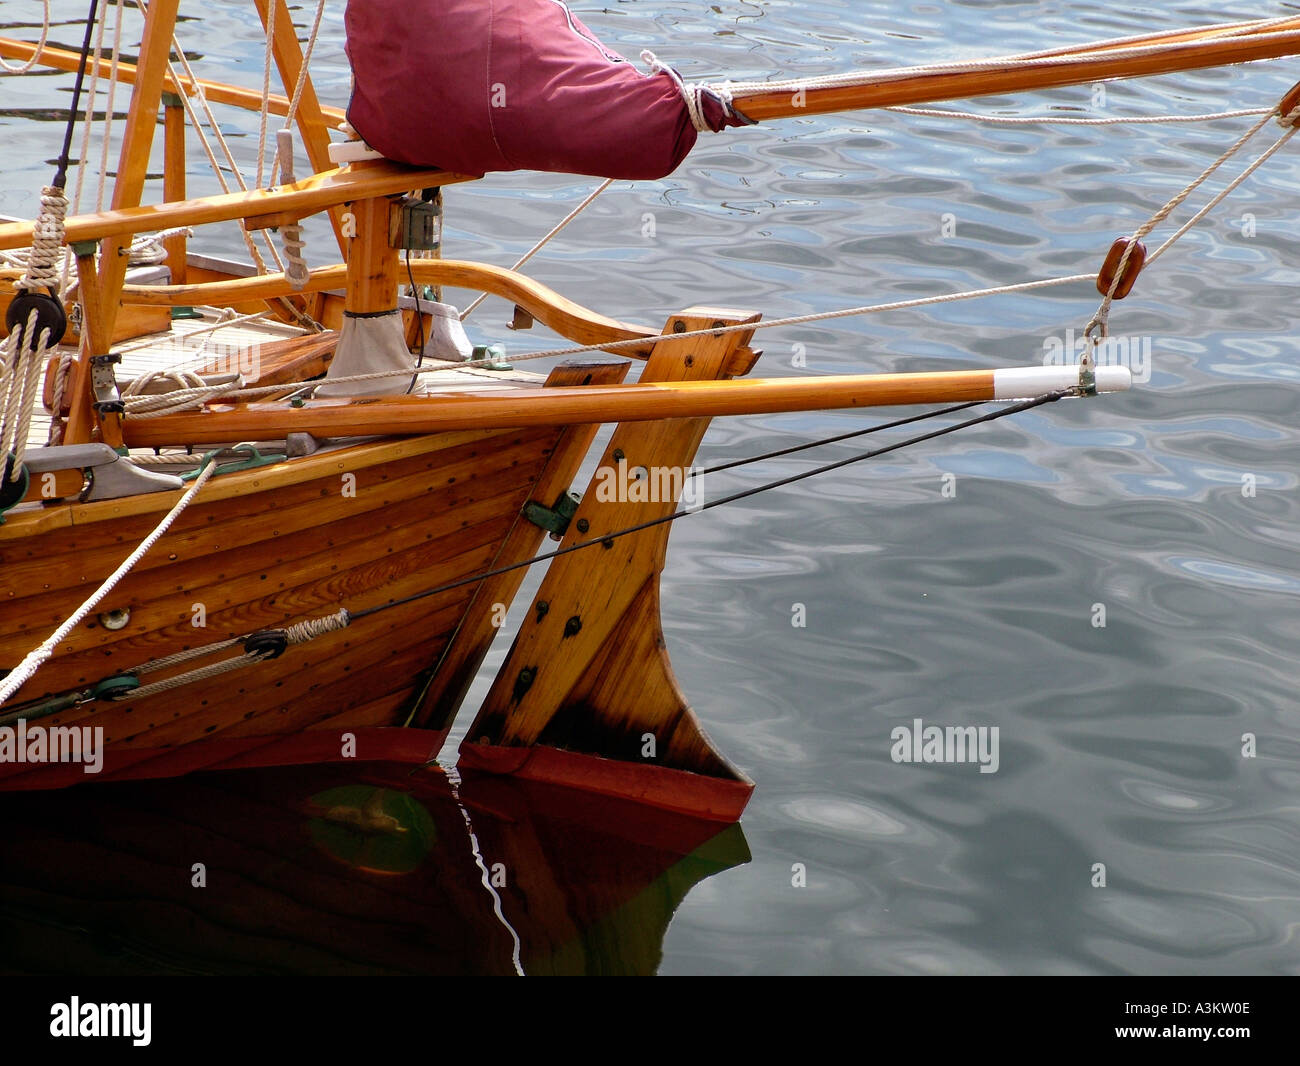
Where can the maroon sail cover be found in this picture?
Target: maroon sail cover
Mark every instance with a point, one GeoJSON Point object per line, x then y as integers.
{"type": "Point", "coordinates": [479, 85]}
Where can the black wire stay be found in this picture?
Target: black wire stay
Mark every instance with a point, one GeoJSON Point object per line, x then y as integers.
{"type": "Point", "coordinates": [992, 416]}
{"type": "Point", "coordinates": [61, 173]}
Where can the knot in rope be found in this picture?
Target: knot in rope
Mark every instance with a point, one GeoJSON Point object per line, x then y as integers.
{"type": "Point", "coordinates": [692, 95]}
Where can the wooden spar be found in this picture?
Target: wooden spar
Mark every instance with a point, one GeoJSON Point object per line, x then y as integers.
{"type": "Point", "coordinates": [545, 305]}
{"type": "Point", "coordinates": [303, 197]}
{"type": "Point", "coordinates": [310, 115]}
{"type": "Point", "coordinates": [137, 143]}
{"type": "Point", "coordinates": [81, 419]}
{"type": "Point", "coordinates": [215, 91]}
{"type": "Point", "coordinates": [601, 403]}
{"type": "Point", "coordinates": [174, 179]}
{"type": "Point", "coordinates": [1200, 33]}
{"type": "Point", "coordinates": [372, 260]}
{"type": "Point", "coordinates": [920, 85]}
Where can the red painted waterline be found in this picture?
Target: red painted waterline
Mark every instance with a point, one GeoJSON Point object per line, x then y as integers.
{"type": "Point", "coordinates": [718, 799]}
{"type": "Point", "coordinates": [373, 744]}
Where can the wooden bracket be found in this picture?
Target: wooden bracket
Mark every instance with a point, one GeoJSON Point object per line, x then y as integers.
{"type": "Point", "coordinates": [481, 625]}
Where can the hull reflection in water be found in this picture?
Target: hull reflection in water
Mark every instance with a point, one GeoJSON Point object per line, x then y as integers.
{"type": "Point", "coordinates": [370, 868]}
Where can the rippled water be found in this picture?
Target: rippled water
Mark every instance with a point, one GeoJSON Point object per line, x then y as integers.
{"type": "Point", "coordinates": [1120, 744]}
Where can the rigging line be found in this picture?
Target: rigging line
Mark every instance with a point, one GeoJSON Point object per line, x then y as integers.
{"type": "Point", "coordinates": [1028, 120]}
{"type": "Point", "coordinates": [266, 91]}
{"type": "Point", "coordinates": [66, 269]}
{"type": "Point", "coordinates": [246, 395]}
{"type": "Point", "coordinates": [23, 68]}
{"type": "Point", "coordinates": [196, 89]}
{"type": "Point", "coordinates": [546, 239]}
{"type": "Point", "coordinates": [863, 79]}
{"type": "Point", "coordinates": [61, 174]}
{"type": "Point", "coordinates": [837, 439]}
{"type": "Point", "coordinates": [1099, 319]}
{"type": "Point", "coordinates": [1023, 405]}
{"type": "Point", "coordinates": [33, 661]}
{"type": "Point", "coordinates": [1269, 152]}
{"type": "Point", "coordinates": [301, 632]}
{"type": "Point", "coordinates": [301, 84]}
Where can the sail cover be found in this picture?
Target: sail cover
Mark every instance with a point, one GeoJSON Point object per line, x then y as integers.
{"type": "Point", "coordinates": [479, 85]}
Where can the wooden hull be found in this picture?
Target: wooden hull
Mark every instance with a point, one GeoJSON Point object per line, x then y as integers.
{"type": "Point", "coordinates": [261, 549]}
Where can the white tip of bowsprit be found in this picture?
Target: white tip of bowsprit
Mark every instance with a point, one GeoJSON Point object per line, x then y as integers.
{"type": "Point", "coordinates": [1114, 379]}
{"type": "Point", "coordinates": [1026, 382]}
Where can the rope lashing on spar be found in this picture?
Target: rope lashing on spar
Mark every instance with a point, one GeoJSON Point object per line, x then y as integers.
{"type": "Point", "coordinates": [268, 644]}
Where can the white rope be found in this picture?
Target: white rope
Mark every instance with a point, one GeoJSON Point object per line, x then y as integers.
{"type": "Point", "coordinates": [690, 94]}
{"type": "Point", "coordinates": [196, 90]}
{"type": "Point", "coordinates": [301, 84]}
{"type": "Point", "coordinates": [266, 91]}
{"type": "Point", "coordinates": [1037, 120]}
{"type": "Point", "coordinates": [296, 271]}
{"type": "Point", "coordinates": [1099, 320]}
{"type": "Point", "coordinates": [20, 368]}
{"type": "Point", "coordinates": [545, 240]}
{"type": "Point", "coordinates": [65, 273]}
{"type": "Point", "coordinates": [23, 68]}
{"type": "Point", "coordinates": [148, 248]}
{"type": "Point", "coordinates": [25, 387]}
{"type": "Point", "coordinates": [1229, 188]}
{"type": "Point", "coordinates": [56, 403]}
{"type": "Point", "coordinates": [24, 671]}
{"type": "Point", "coordinates": [166, 403]}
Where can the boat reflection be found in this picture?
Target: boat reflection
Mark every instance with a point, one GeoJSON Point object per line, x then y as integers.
{"type": "Point", "coordinates": [365, 869]}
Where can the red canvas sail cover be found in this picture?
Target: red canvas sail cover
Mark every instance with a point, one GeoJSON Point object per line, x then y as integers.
{"type": "Point", "coordinates": [479, 85]}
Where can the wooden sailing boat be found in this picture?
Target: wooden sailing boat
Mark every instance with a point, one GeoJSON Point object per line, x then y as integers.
{"type": "Point", "coordinates": [329, 590]}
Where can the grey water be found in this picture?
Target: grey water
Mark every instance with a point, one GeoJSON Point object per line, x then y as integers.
{"type": "Point", "coordinates": [1110, 583]}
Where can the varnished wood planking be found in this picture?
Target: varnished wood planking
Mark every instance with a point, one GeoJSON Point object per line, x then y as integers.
{"type": "Point", "coordinates": [506, 493]}
{"type": "Point", "coordinates": [205, 531]}
{"type": "Point", "coordinates": [164, 626]}
{"type": "Point", "coordinates": [448, 520]}
{"type": "Point", "coordinates": [230, 489]}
